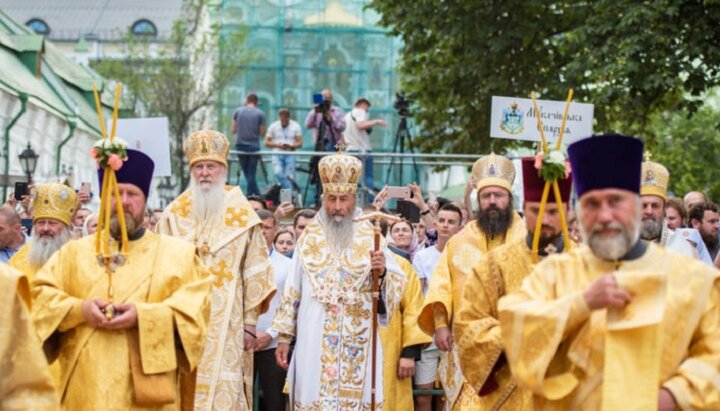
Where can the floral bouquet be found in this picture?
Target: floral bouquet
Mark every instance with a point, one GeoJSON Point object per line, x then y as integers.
{"type": "Point", "coordinates": [552, 166]}
{"type": "Point", "coordinates": [109, 153]}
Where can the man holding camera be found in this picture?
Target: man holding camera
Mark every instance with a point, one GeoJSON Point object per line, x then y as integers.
{"type": "Point", "coordinates": [357, 137]}
{"type": "Point", "coordinates": [327, 123]}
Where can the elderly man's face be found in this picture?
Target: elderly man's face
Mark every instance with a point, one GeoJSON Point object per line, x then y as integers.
{"type": "Point", "coordinates": [48, 227]}
{"type": "Point", "coordinates": [339, 206]}
{"type": "Point", "coordinates": [652, 216]}
{"type": "Point", "coordinates": [207, 173]}
{"type": "Point", "coordinates": [609, 221]}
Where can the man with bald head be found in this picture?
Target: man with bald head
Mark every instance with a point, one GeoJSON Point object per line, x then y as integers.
{"type": "Point", "coordinates": [12, 237]}
{"type": "Point", "coordinates": [692, 198]}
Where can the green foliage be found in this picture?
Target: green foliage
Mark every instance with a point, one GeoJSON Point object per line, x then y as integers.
{"type": "Point", "coordinates": [631, 59]}
{"type": "Point", "coordinates": [182, 77]}
{"type": "Point", "coordinates": [687, 144]}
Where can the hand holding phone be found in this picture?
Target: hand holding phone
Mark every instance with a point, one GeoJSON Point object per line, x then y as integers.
{"type": "Point", "coordinates": [397, 192]}
{"type": "Point", "coordinates": [285, 195]}
{"type": "Point", "coordinates": [21, 190]}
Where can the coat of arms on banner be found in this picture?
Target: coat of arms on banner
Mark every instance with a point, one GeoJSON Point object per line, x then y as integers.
{"type": "Point", "coordinates": [512, 120]}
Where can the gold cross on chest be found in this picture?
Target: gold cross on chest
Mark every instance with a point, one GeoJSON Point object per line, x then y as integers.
{"type": "Point", "coordinates": [182, 206]}
{"type": "Point", "coordinates": [221, 273]}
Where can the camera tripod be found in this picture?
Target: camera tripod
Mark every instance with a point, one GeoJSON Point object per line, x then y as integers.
{"type": "Point", "coordinates": [401, 135]}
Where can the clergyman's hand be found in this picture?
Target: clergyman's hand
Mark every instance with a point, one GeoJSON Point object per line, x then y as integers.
{"type": "Point", "coordinates": [92, 311]}
{"type": "Point", "coordinates": [249, 337]}
{"type": "Point", "coordinates": [126, 317]}
{"type": "Point", "coordinates": [263, 340]}
{"type": "Point", "coordinates": [666, 401]}
{"type": "Point", "coordinates": [443, 339]}
{"type": "Point", "coordinates": [281, 355]}
{"type": "Point", "coordinates": [377, 260]}
{"type": "Point", "coordinates": [604, 292]}
{"type": "Point", "coordinates": [406, 368]}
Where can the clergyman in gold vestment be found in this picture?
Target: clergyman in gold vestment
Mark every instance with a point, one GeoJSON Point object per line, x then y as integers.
{"type": "Point", "coordinates": [54, 206]}
{"type": "Point", "coordinates": [620, 324]}
{"type": "Point", "coordinates": [161, 303]}
{"type": "Point", "coordinates": [496, 224]}
{"type": "Point", "coordinates": [220, 221]}
{"type": "Point", "coordinates": [500, 272]}
{"type": "Point", "coordinates": [25, 382]}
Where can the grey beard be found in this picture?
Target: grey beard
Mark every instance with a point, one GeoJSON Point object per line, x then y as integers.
{"type": "Point", "coordinates": [612, 249]}
{"type": "Point", "coordinates": [651, 230]}
{"type": "Point", "coordinates": [41, 249]}
{"type": "Point", "coordinates": [338, 234]}
{"type": "Point", "coordinates": [130, 223]}
{"type": "Point", "coordinates": [207, 202]}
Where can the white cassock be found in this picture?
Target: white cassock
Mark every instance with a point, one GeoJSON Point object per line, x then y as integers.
{"type": "Point", "coordinates": [327, 306]}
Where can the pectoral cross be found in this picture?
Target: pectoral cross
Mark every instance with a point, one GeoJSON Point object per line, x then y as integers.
{"type": "Point", "coordinates": [376, 216]}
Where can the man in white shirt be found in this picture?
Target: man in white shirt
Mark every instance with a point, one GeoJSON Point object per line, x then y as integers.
{"type": "Point", "coordinates": [272, 377]}
{"type": "Point", "coordinates": [284, 135]}
{"type": "Point", "coordinates": [357, 137]}
{"type": "Point", "coordinates": [448, 223]}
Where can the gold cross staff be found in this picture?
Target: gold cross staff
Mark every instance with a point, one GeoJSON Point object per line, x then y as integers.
{"type": "Point", "coordinates": [376, 217]}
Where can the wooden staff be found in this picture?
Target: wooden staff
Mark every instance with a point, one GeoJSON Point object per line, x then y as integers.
{"type": "Point", "coordinates": [376, 216]}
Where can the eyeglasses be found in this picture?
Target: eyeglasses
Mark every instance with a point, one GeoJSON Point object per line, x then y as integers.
{"type": "Point", "coordinates": [500, 195]}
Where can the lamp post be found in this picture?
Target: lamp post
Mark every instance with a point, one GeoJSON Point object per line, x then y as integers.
{"type": "Point", "coordinates": [166, 191]}
{"type": "Point", "coordinates": [28, 162]}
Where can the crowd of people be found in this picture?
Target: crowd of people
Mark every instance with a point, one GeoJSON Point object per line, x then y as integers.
{"type": "Point", "coordinates": [330, 127]}
{"type": "Point", "coordinates": [610, 303]}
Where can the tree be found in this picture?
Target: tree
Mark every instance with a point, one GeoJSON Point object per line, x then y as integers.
{"type": "Point", "coordinates": [183, 78]}
{"type": "Point", "coordinates": [630, 59]}
{"type": "Point", "coordinates": [686, 144]}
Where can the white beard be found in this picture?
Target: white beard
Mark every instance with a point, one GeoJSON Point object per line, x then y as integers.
{"type": "Point", "coordinates": [338, 230]}
{"type": "Point", "coordinates": [610, 248]}
{"type": "Point", "coordinates": [207, 200]}
{"type": "Point", "coordinates": [42, 248]}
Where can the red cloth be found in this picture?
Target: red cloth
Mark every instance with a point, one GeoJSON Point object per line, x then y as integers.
{"type": "Point", "coordinates": [533, 184]}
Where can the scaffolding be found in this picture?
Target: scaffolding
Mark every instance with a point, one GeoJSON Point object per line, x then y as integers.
{"type": "Point", "coordinates": [306, 46]}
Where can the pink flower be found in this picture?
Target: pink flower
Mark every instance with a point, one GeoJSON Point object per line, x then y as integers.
{"type": "Point", "coordinates": [539, 160]}
{"type": "Point", "coordinates": [94, 152]}
{"type": "Point", "coordinates": [568, 169]}
{"type": "Point", "coordinates": [115, 162]}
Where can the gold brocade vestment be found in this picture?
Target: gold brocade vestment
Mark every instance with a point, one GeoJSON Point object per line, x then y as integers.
{"type": "Point", "coordinates": [476, 330]}
{"type": "Point", "coordinates": [327, 306]}
{"type": "Point", "coordinates": [462, 252]}
{"type": "Point", "coordinates": [574, 358]}
{"type": "Point", "coordinates": [401, 332]}
{"type": "Point", "coordinates": [169, 288]}
{"type": "Point", "coordinates": [25, 382]}
{"type": "Point", "coordinates": [20, 262]}
{"type": "Point", "coordinates": [236, 255]}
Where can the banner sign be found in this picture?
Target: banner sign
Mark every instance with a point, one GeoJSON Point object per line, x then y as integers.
{"type": "Point", "coordinates": [514, 118]}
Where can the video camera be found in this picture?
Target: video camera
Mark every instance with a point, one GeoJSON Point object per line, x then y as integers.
{"type": "Point", "coordinates": [402, 104]}
{"type": "Point", "coordinates": [321, 105]}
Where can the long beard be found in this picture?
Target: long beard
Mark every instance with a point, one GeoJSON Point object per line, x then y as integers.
{"type": "Point", "coordinates": [494, 220]}
{"type": "Point", "coordinates": [651, 229]}
{"type": "Point", "coordinates": [207, 199]}
{"type": "Point", "coordinates": [131, 224]}
{"type": "Point", "coordinates": [338, 230]}
{"type": "Point", "coordinates": [43, 247]}
{"type": "Point", "coordinates": [610, 248]}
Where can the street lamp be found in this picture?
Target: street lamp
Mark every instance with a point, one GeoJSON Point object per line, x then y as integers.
{"type": "Point", "coordinates": [28, 161]}
{"type": "Point", "coordinates": [166, 191]}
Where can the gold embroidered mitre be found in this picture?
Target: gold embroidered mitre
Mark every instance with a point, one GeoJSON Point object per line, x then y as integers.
{"type": "Point", "coordinates": [56, 201]}
{"type": "Point", "coordinates": [654, 179]}
{"type": "Point", "coordinates": [493, 170]}
{"type": "Point", "coordinates": [340, 173]}
{"type": "Point", "coordinates": [206, 145]}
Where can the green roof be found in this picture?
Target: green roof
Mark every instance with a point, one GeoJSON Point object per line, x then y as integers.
{"type": "Point", "coordinates": [63, 86]}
